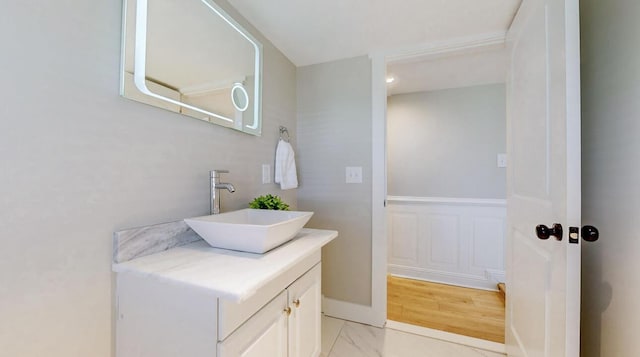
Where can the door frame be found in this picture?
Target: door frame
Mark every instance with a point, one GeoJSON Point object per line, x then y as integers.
{"type": "Point", "coordinates": [379, 61]}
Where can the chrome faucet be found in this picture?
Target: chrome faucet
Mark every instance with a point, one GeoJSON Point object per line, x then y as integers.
{"type": "Point", "coordinates": [215, 186]}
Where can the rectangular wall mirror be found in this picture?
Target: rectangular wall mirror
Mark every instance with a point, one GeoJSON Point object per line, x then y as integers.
{"type": "Point", "coordinates": [191, 57]}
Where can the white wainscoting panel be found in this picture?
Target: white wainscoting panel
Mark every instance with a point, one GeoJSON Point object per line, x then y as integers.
{"type": "Point", "coordinates": [444, 239]}
{"type": "Point", "coordinates": [447, 240]}
{"type": "Point", "coordinates": [405, 250]}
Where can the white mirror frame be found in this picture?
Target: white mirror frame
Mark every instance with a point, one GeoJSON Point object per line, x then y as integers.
{"type": "Point", "coordinates": [140, 56]}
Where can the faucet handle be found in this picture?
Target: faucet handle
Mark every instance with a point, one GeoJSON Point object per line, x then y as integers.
{"type": "Point", "coordinates": [216, 173]}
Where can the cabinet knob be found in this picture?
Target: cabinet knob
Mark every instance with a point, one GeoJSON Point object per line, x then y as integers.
{"type": "Point", "coordinates": [296, 302]}
{"type": "Point", "coordinates": [288, 310]}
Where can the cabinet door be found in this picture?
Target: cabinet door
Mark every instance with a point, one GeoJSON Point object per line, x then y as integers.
{"type": "Point", "coordinates": [304, 322]}
{"type": "Point", "coordinates": [264, 334]}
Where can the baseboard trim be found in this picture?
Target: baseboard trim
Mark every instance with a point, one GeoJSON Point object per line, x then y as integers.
{"type": "Point", "coordinates": [496, 276]}
{"type": "Point", "coordinates": [447, 336]}
{"type": "Point", "coordinates": [349, 311]}
{"type": "Point", "coordinates": [458, 279]}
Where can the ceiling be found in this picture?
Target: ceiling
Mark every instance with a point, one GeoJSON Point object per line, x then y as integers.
{"type": "Point", "coordinates": [462, 69]}
{"type": "Point", "coordinates": [310, 32]}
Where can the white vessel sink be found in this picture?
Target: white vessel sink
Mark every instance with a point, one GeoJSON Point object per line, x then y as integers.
{"type": "Point", "coordinates": [249, 230]}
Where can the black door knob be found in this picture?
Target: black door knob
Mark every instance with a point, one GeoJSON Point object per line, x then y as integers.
{"type": "Point", "coordinates": [590, 233]}
{"type": "Point", "coordinates": [544, 232]}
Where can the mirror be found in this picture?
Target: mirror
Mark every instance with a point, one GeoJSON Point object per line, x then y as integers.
{"type": "Point", "coordinates": [191, 57]}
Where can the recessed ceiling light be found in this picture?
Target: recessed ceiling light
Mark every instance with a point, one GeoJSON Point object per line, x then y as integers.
{"type": "Point", "coordinates": [391, 79]}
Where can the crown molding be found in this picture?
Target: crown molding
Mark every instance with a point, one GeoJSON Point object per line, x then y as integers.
{"type": "Point", "coordinates": [451, 47]}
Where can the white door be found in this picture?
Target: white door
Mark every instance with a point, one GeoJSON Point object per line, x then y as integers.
{"type": "Point", "coordinates": [543, 180]}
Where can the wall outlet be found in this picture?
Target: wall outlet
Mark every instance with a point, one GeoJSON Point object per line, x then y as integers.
{"type": "Point", "coordinates": [266, 173]}
{"type": "Point", "coordinates": [354, 174]}
{"type": "Point", "coordinates": [502, 160]}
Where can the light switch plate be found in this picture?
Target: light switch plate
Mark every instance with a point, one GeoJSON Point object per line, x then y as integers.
{"type": "Point", "coordinates": [354, 174]}
{"type": "Point", "coordinates": [502, 160]}
{"type": "Point", "coordinates": [266, 173]}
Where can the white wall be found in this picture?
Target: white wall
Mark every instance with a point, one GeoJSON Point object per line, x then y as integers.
{"type": "Point", "coordinates": [334, 131]}
{"type": "Point", "coordinates": [444, 143]}
{"type": "Point", "coordinates": [610, 176]}
{"type": "Point", "coordinates": [77, 162]}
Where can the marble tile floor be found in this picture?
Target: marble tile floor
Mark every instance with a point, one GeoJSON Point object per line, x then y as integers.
{"type": "Point", "coordinates": [349, 339]}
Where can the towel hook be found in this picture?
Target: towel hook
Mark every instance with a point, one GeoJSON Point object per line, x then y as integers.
{"type": "Point", "coordinates": [283, 131]}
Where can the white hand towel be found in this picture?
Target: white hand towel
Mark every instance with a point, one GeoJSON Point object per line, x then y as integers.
{"type": "Point", "coordinates": [285, 170]}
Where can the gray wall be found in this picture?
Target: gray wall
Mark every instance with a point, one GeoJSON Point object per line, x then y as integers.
{"type": "Point", "coordinates": [77, 162]}
{"type": "Point", "coordinates": [610, 176]}
{"type": "Point", "coordinates": [444, 143]}
{"type": "Point", "coordinates": [334, 131]}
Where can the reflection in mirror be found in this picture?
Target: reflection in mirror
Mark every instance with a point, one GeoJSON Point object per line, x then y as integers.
{"type": "Point", "coordinates": [239, 97]}
{"type": "Point", "coordinates": [191, 57]}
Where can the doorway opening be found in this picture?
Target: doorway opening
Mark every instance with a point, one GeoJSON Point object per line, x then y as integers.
{"type": "Point", "coordinates": [445, 191]}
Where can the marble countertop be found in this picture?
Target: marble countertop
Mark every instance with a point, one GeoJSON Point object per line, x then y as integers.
{"type": "Point", "coordinates": [228, 274]}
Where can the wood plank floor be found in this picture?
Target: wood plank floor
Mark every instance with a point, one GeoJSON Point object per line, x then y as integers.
{"type": "Point", "coordinates": [469, 312]}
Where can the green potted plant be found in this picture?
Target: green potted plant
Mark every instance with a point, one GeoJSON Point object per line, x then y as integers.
{"type": "Point", "coordinates": [269, 201]}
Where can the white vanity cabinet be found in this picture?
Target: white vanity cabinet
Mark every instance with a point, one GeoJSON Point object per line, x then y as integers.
{"type": "Point", "coordinates": [198, 301]}
{"type": "Point", "coordinates": [264, 334]}
{"type": "Point", "coordinates": [304, 322]}
{"type": "Point", "coordinates": [289, 325]}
